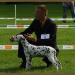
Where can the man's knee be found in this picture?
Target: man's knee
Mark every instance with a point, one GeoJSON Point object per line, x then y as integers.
{"type": "Point", "coordinates": [20, 51]}
{"type": "Point", "coordinates": [57, 51]}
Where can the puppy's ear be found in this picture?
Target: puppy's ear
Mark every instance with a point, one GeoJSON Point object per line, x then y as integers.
{"type": "Point", "coordinates": [23, 37]}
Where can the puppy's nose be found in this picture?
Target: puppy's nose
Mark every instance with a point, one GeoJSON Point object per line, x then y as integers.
{"type": "Point", "coordinates": [11, 39]}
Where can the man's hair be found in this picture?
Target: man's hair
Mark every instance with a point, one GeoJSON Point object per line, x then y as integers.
{"type": "Point", "coordinates": [43, 7]}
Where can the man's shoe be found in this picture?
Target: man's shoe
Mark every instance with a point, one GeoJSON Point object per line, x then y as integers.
{"type": "Point", "coordinates": [49, 64]}
{"type": "Point", "coordinates": [74, 21]}
{"type": "Point", "coordinates": [64, 21]}
{"type": "Point", "coordinates": [23, 65]}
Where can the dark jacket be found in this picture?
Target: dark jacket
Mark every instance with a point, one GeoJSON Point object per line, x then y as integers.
{"type": "Point", "coordinates": [49, 28]}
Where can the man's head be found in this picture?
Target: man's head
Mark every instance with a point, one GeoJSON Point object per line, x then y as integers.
{"type": "Point", "coordinates": [41, 12]}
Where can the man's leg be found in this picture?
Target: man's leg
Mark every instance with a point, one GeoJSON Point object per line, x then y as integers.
{"type": "Point", "coordinates": [21, 55]}
{"type": "Point", "coordinates": [65, 8]}
{"type": "Point", "coordinates": [57, 51]}
{"type": "Point", "coordinates": [72, 8]}
{"type": "Point", "coordinates": [45, 59]}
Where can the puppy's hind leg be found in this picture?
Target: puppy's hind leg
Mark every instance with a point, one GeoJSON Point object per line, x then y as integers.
{"type": "Point", "coordinates": [59, 64]}
{"type": "Point", "coordinates": [52, 59]}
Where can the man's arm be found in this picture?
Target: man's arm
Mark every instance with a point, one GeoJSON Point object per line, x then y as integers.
{"type": "Point", "coordinates": [53, 32]}
{"type": "Point", "coordinates": [27, 32]}
{"type": "Point", "coordinates": [30, 29]}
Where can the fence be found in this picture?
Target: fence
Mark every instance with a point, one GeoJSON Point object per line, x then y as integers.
{"type": "Point", "coordinates": [15, 47]}
{"type": "Point", "coordinates": [15, 25]}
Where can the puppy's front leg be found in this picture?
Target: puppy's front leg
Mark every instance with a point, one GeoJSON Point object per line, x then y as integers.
{"type": "Point", "coordinates": [28, 62]}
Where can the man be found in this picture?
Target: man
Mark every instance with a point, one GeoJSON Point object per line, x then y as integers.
{"type": "Point", "coordinates": [70, 6]}
{"type": "Point", "coordinates": [45, 31]}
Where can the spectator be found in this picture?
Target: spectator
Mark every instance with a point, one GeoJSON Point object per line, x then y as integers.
{"type": "Point", "coordinates": [70, 6]}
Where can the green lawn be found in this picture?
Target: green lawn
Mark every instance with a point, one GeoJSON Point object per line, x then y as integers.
{"type": "Point", "coordinates": [27, 10]}
{"type": "Point", "coordinates": [5, 35]}
{"type": "Point", "coordinates": [64, 36]}
{"type": "Point", "coordinates": [4, 23]}
{"type": "Point", "coordinates": [9, 63]}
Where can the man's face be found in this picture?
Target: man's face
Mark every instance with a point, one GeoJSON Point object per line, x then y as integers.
{"type": "Point", "coordinates": [39, 13]}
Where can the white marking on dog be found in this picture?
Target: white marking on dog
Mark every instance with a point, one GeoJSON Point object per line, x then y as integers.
{"type": "Point", "coordinates": [32, 50]}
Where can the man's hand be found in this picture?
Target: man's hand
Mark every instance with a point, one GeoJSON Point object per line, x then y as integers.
{"type": "Point", "coordinates": [29, 37]}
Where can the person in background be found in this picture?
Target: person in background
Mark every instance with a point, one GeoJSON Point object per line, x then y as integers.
{"type": "Point", "coordinates": [70, 6]}
{"type": "Point", "coordinates": [45, 30]}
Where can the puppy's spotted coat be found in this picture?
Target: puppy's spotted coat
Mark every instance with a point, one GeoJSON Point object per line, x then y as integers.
{"type": "Point", "coordinates": [32, 50]}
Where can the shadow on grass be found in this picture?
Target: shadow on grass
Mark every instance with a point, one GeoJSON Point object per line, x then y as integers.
{"type": "Point", "coordinates": [10, 70]}
{"type": "Point", "coordinates": [17, 69]}
{"type": "Point", "coordinates": [38, 68]}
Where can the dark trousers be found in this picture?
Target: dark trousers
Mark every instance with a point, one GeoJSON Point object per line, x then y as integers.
{"type": "Point", "coordinates": [65, 10]}
{"type": "Point", "coordinates": [21, 53]}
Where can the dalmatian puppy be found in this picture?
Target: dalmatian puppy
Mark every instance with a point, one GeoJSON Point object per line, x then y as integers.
{"type": "Point", "coordinates": [32, 51]}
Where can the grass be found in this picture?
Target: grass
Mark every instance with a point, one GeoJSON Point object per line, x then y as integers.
{"type": "Point", "coordinates": [5, 35]}
{"type": "Point", "coordinates": [64, 36]}
{"type": "Point", "coordinates": [27, 10]}
{"type": "Point", "coordinates": [9, 63]}
{"type": "Point", "coordinates": [4, 23]}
